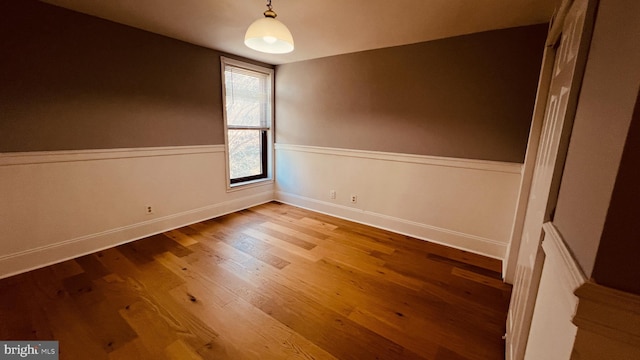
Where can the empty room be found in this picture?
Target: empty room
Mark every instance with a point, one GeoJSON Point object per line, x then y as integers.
{"type": "Point", "coordinates": [286, 179]}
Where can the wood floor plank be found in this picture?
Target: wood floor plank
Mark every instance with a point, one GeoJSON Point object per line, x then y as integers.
{"type": "Point", "coordinates": [133, 350]}
{"type": "Point", "coordinates": [287, 221]}
{"type": "Point", "coordinates": [65, 269]}
{"type": "Point", "coordinates": [73, 332]}
{"type": "Point", "coordinates": [479, 278]}
{"type": "Point", "coordinates": [179, 350]}
{"type": "Point", "coordinates": [362, 242]}
{"type": "Point", "coordinates": [365, 265]}
{"type": "Point", "coordinates": [254, 333]}
{"type": "Point", "coordinates": [328, 329]}
{"type": "Point", "coordinates": [154, 333]}
{"type": "Point", "coordinates": [212, 248]}
{"type": "Point", "coordinates": [249, 323]}
{"type": "Point", "coordinates": [261, 277]}
{"type": "Point", "coordinates": [408, 338]}
{"type": "Point", "coordinates": [200, 277]}
{"type": "Point", "coordinates": [25, 318]}
{"type": "Point", "coordinates": [283, 233]}
{"type": "Point", "coordinates": [179, 236]}
{"type": "Point", "coordinates": [144, 284]}
{"type": "Point", "coordinates": [96, 308]}
{"type": "Point", "coordinates": [337, 250]}
{"type": "Point", "coordinates": [270, 282]}
{"type": "Point", "coordinates": [256, 248]}
{"type": "Point", "coordinates": [320, 225]}
{"type": "Point", "coordinates": [284, 245]}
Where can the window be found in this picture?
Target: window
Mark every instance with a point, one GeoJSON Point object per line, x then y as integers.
{"type": "Point", "coordinates": [248, 109]}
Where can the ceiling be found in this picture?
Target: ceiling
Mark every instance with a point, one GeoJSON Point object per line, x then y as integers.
{"type": "Point", "coordinates": [319, 28]}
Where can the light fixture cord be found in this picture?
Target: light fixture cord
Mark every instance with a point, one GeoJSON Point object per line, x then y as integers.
{"type": "Point", "coordinates": [269, 5]}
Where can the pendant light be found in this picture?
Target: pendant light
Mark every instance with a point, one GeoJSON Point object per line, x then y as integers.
{"type": "Point", "coordinates": [269, 35]}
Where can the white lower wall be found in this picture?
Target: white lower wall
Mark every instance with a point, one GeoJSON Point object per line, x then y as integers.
{"type": "Point", "coordinates": [466, 204]}
{"type": "Point", "coordinates": [62, 204]}
{"type": "Point", "coordinates": [552, 332]}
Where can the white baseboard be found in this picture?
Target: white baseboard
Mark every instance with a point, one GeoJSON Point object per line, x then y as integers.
{"type": "Point", "coordinates": [31, 259]}
{"type": "Point", "coordinates": [454, 239]}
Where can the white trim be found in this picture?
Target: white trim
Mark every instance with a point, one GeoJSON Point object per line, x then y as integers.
{"type": "Point", "coordinates": [250, 184]}
{"type": "Point", "coordinates": [552, 334]}
{"type": "Point", "coordinates": [12, 264]}
{"type": "Point", "coordinates": [555, 249]}
{"type": "Point", "coordinates": [45, 157]}
{"type": "Point", "coordinates": [498, 166]}
{"type": "Point", "coordinates": [246, 66]}
{"type": "Point", "coordinates": [467, 242]}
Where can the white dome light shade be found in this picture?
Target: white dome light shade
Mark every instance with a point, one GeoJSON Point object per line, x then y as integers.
{"type": "Point", "coordinates": [270, 36]}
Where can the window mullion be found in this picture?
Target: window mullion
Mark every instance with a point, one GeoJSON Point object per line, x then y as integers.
{"type": "Point", "coordinates": [239, 127]}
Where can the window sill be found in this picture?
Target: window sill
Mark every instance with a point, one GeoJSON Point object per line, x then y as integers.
{"type": "Point", "coordinates": [249, 184]}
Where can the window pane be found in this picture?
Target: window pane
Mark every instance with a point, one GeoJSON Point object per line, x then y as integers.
{"type": "Point", "coordinates": [246, 98]}
{"type": "Point", "coordinates": [245, 153]}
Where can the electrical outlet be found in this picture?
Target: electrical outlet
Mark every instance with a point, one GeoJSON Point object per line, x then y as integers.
{"type": "Point", "coordinates": [354, 199]}
{"type": "Point", "coordinates": [148, 209]}
{"type": "Point", "coordinates": [332, 194]}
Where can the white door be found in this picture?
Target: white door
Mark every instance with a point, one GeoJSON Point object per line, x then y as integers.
{"type": "Point", "coordinates": [568, 67]}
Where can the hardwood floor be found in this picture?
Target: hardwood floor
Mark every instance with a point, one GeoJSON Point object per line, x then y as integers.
{"type": "Point", "coordinates": [270, 282]}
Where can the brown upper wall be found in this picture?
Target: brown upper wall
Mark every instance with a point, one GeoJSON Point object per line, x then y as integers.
{"type": "Point", "coordinates": [71, 81]}
{"type": "Point", "coordinates": [468, 97]}
{"type": "Point", "coordinates": [617, 264]}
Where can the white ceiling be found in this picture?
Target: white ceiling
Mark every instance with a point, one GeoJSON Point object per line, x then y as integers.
{"type": "Point", "coordinates": [319, 28]}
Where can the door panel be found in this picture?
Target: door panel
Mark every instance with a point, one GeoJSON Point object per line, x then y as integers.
{"type": "Point", "coordinates": [570, 56]}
